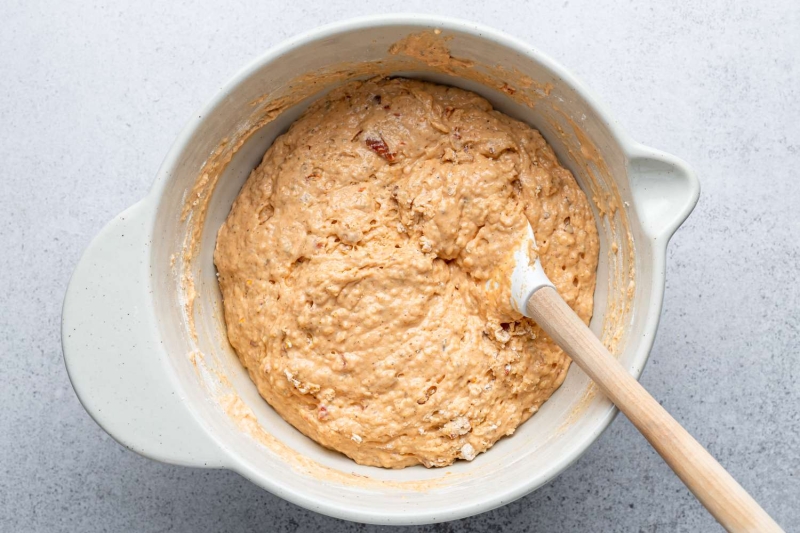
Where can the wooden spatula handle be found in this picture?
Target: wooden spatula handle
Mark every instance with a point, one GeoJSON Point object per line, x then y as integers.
{"type": "Point", "coordinates": [730, 504]}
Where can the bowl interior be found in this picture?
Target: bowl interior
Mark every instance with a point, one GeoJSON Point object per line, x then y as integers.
{"type": "Point", "coordinates": [228, 142]}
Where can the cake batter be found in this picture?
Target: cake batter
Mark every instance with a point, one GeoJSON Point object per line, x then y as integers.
{"type": "Point", "coordinates": [353, 267]}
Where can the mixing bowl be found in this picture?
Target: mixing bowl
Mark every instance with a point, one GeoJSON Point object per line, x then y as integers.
{"type": "Point", "coordinates": [143, 334]}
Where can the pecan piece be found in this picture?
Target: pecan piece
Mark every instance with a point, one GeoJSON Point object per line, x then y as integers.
{"type": "Point", "coordinates": [379, 146]}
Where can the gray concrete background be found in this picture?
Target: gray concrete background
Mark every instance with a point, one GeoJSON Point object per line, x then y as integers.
{"type": "Point", "coordinates": [92, 96]}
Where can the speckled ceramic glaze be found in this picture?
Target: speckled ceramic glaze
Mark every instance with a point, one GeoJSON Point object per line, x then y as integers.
{"type": "Point", "coordinates": [161, 392]}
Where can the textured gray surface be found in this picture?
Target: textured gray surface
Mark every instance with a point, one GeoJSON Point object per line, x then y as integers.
{"type": "Point", "coordinates": [92, 96]}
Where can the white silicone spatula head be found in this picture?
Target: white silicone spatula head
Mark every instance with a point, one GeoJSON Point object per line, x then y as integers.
{"type": "Point", "coordinates": [528, 275]}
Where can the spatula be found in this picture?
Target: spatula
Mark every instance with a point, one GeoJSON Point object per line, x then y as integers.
{"type": "Point", "coordinates": [533, 295]}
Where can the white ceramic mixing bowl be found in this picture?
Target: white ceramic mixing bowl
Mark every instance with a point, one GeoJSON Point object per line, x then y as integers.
{"type": "Point", "coordinates": [176, 397]}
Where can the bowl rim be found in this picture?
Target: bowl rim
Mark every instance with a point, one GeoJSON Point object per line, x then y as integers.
{"type": "Point", "coordinates": [629, 147]}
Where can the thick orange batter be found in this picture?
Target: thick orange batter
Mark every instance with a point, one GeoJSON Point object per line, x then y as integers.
{"type": "Point", "coordinates": [354, 262]}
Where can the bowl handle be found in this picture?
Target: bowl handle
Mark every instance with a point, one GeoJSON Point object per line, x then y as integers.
{"type": "Point", "coordinates": [113, 351]}
{"type": "Point", "coordinates": [665, 190]}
